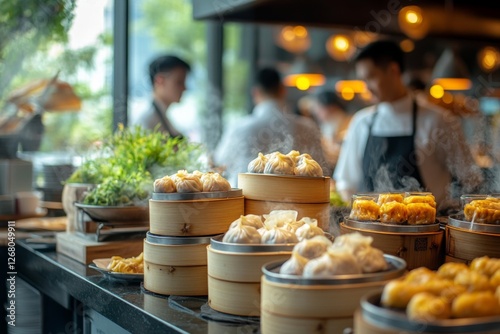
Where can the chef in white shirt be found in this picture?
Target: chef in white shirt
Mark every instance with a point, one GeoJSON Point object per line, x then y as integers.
{"type": "Point", "coordinates": [401, 144]}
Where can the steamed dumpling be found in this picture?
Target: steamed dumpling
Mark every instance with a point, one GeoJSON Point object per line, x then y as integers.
{"type": "Point", "coordinates": [277, 235]}
{"type": "Point", "coordinates": [308, 167]}
{"type": "Point", "coordinates": [187, 183]}
{"type": "Point", "coordinates": [280, 218]}
{"type": "Point", "coordinates": [294, 155]}
{"type": "Point", "coordinates": [164, 185]}
{"type": "Point", "coordinates": [331, 263]}
{"type": "Point", "coordinates": [312, 248]}
{"type": "Point", "coordinates": [352, 241]}
{"type": "Point", "coordinates": [280, 164]}
{"type": "Point", "coordinates": [258, 164]}
{"type": "Point", "coordinates": [371, 259]}
{"type": "Point", "coordinates": [307, 231]}
{"type": "Point", "coordinates": [242, 234]}
{"type": "Point", "coordinates": [214, 182]}
{"type": "Point", "coordinates": [303, 156]}
{"type": "Point", "coordinates": [294, 266]}
{"type": "Point", "coordinates": [248, 220]}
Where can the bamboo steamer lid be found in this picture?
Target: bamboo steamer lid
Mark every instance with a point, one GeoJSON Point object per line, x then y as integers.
{"type": "Point", "coordinates": [176, 280]}
{"type": "Point", "coordinates": [198, 217]}
{"type": "Point", "coordinates": [285, 188]}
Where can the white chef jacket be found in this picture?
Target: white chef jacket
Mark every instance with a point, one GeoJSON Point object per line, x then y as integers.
{"type": "Point", "coordinates": [439, 141]}
{"type": "Point", "coordinates": [268, 129]}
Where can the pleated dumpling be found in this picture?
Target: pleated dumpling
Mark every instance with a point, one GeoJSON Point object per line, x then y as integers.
{"type": "Point", "coordinates": [308, 167]}
{"type": "Point", "coordinates": [164, 185]}
{"type": "Point", "coordinates": [280, 218]}
{"type": "Point", "coordinates": [248, 220]}
{"type": "Point", "coordinates": [294, 155]}
{"type": "Point", "coordinates": [371, 259]}
{"type": "Point", "coordinates": [277, 235]}
{"type": "Point", "coordinates": [294, 266]}
{"type": "Point", "coordinates": [187, 183]}
{"type": "Point", "coordinates": [308, 230]}
{"type": "Point", "coordinates": [214, 182]}
{"type": "Point", "coordinates": [242, 234]}
{"type": "Point", "coordinates": [280, 164]}
{"type": "Point", "coordinates": [258, 164]}
{"type": "Point", "coordinates": [352, 241]}
{"type": "Point", "coordinates": [312, 248]}
{"type": "Point", "coordinates": [333, 262]}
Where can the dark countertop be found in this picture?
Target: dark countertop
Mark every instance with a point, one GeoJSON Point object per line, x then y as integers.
{"type": "Point", "coordinates": [124, 303]}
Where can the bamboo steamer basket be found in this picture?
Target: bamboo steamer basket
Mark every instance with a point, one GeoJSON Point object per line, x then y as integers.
{"type": "Point", "coordinates": [320, 211]}
{"type": "Point", "coordinates": [175, 265]}
{"type": "Point", "coordinates": [309, 196]}
{"type": "Point", "coordinates": [466, 241]}
{"type": "Point", "coordinates": [194, 214]}
{"type": "Point", "coordinates": [418, 245]}
{"type": "Point", "coordinates": [372, 318]}
{"type": "Point", "coordinates": [317, 305]}
{"type": "Point", "coordinates": [234, 272]}
{"type": "Point", "coordinates": [284, 188]}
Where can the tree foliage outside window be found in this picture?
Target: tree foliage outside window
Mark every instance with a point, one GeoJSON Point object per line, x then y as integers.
{"type": "Point", "coordinates": [34, 45]}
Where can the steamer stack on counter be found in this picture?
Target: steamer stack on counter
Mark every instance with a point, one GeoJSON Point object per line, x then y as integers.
{"type": "Point", "coordinates": [181, 225]}
{"type": "Point", "coordinates": [293, 181]}
{"type": "Point", "coordinates": [476, 232]}
{"type": "Point", "coordinates": [403, 225]}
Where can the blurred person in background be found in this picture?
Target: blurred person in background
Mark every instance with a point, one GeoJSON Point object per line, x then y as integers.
{"type": "Point", "coordinates": [400, 143]}
{"type": "Point", "coordinates": [168, 79]}
{"type": "Point", "coordinates": [269, 128]}
{"type": "Point", "coordinates": [333, 120]}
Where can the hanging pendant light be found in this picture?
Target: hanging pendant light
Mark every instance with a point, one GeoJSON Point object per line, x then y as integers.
{"type": "Point", "coordinates": [303, 75]}
{"type": "Point", "coordinates": [450, 73]}
{"type": "Point", "coordinates": [413, 22]}
{"type": "Point", "coordinates": [294, 39]}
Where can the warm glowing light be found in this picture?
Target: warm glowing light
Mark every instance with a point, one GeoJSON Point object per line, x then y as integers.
{"type": "Point", "coordinates": [412, 22]}
{"type": "Point", "coordinates": [436, 91]}
{"type": "Point", "coordinates": [347, 93]}
{"type": "Point", "coordinates": [407, 45]}
{"type": "Point", "coordinates": [341, 43]}
{"type": "Point", "coordinates": [300, 31]}
{"type": "Point", "coordinates": [363, 38]}
{"type": "Point", "coordinates": [413, 17]}
{"type": "Point", "coordinates": [304, 81]}
{"type": "Point", "coordinates": [367, 95]}
{"type": "Point", "coordinates": [340, 47]}
{"type": "Point", "coordinates": [294, 39]}
{"type": "Point", "coordinates": [489, 58]}
{"type": "Point", "coordinates": [447, 98]}
{"type": "Point", "coordinates": [453, 83]}
{"type": "Point", "coordinates": [356, 86]}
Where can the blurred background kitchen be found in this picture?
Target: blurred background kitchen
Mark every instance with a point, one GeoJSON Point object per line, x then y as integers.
{"type": "Point", "coordinates": [72, 70]}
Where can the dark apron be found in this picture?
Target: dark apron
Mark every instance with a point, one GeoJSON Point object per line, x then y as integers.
{"type": "Point", "coordinates": [164, 123]}
{"type": "Point", "coordinates": [389, 163]}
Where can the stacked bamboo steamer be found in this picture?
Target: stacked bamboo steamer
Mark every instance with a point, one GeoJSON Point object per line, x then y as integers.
{"type": "Point", "coordinates": [309, 196]}
{"type": "Point", "coordinates": [419, 245]}
{"type": "Point", "coordinates": [181, 225]}
{"type": "Point", "coordinates": [234, 273]}
{"type": "Point", "coordinates": [466, 241]}
{"type": "Point", "coordinates": [292, 304]}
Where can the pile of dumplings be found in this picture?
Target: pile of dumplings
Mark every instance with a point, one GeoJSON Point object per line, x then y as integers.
{"type": "Point", "coordinates": [455, 290]}
{"type": "Point", "coordinates": [349, 254]}
{"type": "Point", "coordinates": [184, 182]}
{"type": "Point", "coordinates": [292, 163]}
{"type": "Point", "coordinates": [278, 227]}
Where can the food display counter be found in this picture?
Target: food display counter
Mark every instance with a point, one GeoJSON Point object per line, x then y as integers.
{"type": "Point", "coordinates": [91, 303]}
